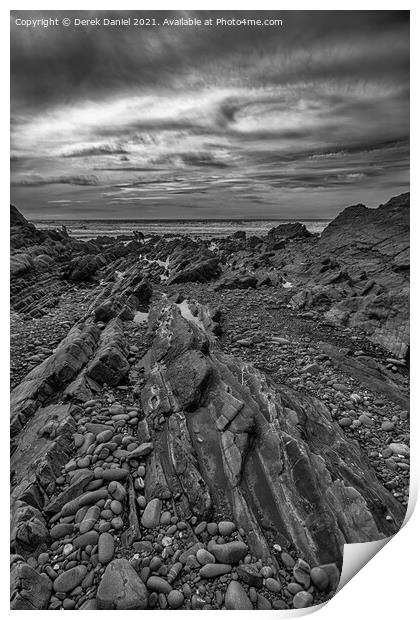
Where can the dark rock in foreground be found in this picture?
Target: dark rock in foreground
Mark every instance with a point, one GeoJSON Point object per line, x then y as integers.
{"type": "Point", "coordinates": [268, 450]}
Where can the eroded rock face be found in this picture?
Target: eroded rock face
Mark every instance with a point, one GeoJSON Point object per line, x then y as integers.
{"type": "Point", "coordinates": [265, 454]}
{"type": "Point", "coordinates": [110, 362]}
{"type": "Point", "coordinates": [361, 267]}
{"type": "Point", "coordinates": [35, 464]}
{"type": "Point", "coordinates": [52, 374]}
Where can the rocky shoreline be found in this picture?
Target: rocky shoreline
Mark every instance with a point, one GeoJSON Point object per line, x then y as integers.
{"type": "Point", "coordinates": [203, 424]}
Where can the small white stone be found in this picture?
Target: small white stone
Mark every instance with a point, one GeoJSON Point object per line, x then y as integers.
{"type": "Point", "coordinates": [166, 541]}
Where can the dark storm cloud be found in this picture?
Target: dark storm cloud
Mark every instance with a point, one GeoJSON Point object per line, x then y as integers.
{"type": "Point", "coordinates": [36, 180]}
{"type": "Point", "coordinates": [63, 63]}
{"type": "Point", "coordinates": [320, 103]}
{"type": "Point", "coordinates": [103, 149]}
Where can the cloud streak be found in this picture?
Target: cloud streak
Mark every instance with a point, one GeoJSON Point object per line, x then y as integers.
{"type": "Point", "coordinates": [321, 104]}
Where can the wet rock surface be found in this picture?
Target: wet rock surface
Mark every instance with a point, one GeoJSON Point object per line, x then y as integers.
{"type": "Point", "coordinates": [198, 428]}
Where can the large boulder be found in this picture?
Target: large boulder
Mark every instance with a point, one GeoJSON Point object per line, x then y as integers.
{"type": "Point", "coordinates": [121, 588]}
{"type": "Point", "coordinates": [289, 231]}
{"type": "Point", "coordinates": [83, 268]}
{"type": "Point", "coordinates": [237, 281]}
{"type": "Point", "coordinates": [28, 589]}
{"type": "Point", "coordinates": [203, 271]}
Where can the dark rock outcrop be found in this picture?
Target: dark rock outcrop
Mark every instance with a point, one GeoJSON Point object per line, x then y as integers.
{"type": "Point", "coordinates": [271, 458]}
{"type": "Point", "coordinates": [53, 374]}
{"type": "Point", "coordinates": [110, 363]}
{"type": "Point", "coordinates": [203, 271]}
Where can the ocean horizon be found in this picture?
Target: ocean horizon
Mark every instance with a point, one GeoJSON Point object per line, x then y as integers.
{"type": "Point", "coordinates": [207, 228]}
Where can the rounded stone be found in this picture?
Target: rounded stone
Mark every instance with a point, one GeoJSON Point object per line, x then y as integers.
{"type": "Point", "coordinates": [301, 573]}
{"type": "Point", "coordinates": [117, 523]}
{"type": "Point", "coordinates": [212, 528]}
{"type": "Point", "coordinates": [266, 572]}
{"type": "Point", "coordinates": [294, 587]}
{"type": "Point", "coordinates": [61, 530]}
{"type": "Point", "coordinates": [205, 557]}
{"type": "Point", "coordinates": [157, 584]}
{"type": "Point", "coordinates": [118, 474]}
{"type": "Point", "coordinates": [236, 597]}
{"type": "Point", "coordinates": [210, 571]}
{"type": "Point", "coordinates": [175, 599]}
{"type": "Point", "coordinates": [387, 426]}
{"type": "Point", "coordinates": [320, 579]}
{"type": "Point", "coordinates": [228, 553]}
{"type": "Point", "coordinates": [104, 436]}
{"type": "Point", "coordinates": [151, 514]}
{"type": "Point", "coordinates": [116, 490]}
{"type": "Point", "coordinates": [302, 599]}
{"type": "Point", "coordinates": [226, 528]}
{"type": "Point", "coordinates": [106, 546]}
{"type": "Point", "coordinates": [90, 519]}
{"type": "Point", "coordinates": [165, 518]}
{"type": "Point", "coordinates": [272, 585]}
{"type": "Point", "coordinates": [43, 558]}
{"type": "Point", "coordinates": [70, 579]}
{"type": "Point", "coordinates": [116, 507]}
{"type": "Point", "coordinates": [90, 538]}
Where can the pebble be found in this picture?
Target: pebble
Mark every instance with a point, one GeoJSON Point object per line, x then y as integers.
{"type": "Point", "coordinates": [165, 518]}
{"type": "Point", "coordinates": [157, 584]}
{"type": "Point", "coordinates": [263, 603]}
{"type": "Point", "coordinates": [116, 490]}
{"type": "Point", "coordinates": [399, 448]}
{"type": "Point", "coordinates": [272, 585]}
{"type": "Point", "coordinates": [116, 507]}
{"type": "Point", "coordinates": [151, 515]}
{"type": "Point", "coordinates": [226, 528]}
{"type": "Point", "coordinates": [294, 587]}
{"type": "Point", "coordinates": [387, 426]}
{"type": "Point", "coordinates": [320, 579]}
{"type": "Point", "coordinates": [366, 420]}
{"type": "Point", "coordinates": [90, 519]}
{"type": "Point", "coordinates": [228, 553]}
{"type": "Point", "coordinates": [67, 581]}
{"type": "Point", "coordinates": [90, 538]}
{"type": "Point", "coordinates": [43, 558]}
{"type": "Point", "coordinates": [210, 571]}
{"type": "Point", "coordinates": [61, 530]}
{"type": "Point", "coordinates": [113, 474]}
{"type": "Point", "coordinates": [250, 574]}
{"type": "Point", "coordinates": [236, 597]}
{"type": "Point", "coordinates": [301, 573]}
{"type": "Point", "coordinates": [205, 557]}
{"type": "Point", "coordinates": [106, 546]}
{"type": "Point", "coordinates": [175, 599]}
{"type": "Point", "coordinates": [302, 599]}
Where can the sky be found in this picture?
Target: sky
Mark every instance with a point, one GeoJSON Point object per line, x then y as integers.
{"type": "Point", "coordinates": [297, 120]}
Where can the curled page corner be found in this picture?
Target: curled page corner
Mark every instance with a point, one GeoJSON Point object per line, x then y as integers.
{"type": "Point", "coordinates": [356, 556]}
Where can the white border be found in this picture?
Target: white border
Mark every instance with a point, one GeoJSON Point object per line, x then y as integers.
{"type": "Point", "coordinates": [386, 587]}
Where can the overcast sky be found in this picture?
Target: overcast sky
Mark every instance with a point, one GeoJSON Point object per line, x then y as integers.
{"type": "Point", "coordinates": [206, 122]}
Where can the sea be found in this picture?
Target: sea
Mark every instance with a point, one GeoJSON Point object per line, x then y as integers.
{"type": "Point", "coordinates": [89, 229]}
